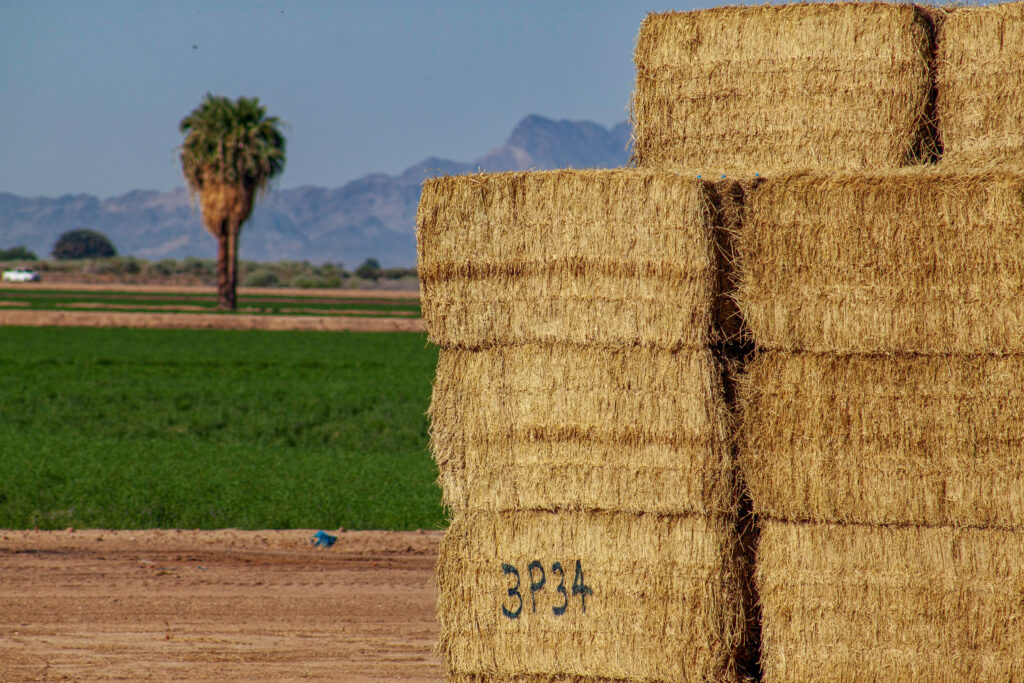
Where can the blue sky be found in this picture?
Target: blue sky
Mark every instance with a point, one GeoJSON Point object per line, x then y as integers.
{"type": "Point", "coordinates": [92, 91]}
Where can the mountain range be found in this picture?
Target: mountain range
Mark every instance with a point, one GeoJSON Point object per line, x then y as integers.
{"type": "Point", "coordinates": [373, 216]}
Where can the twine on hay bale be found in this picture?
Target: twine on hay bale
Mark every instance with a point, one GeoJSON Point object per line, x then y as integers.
{"type": "Point", "coordinates": [931, 440]}
{"type": "Point", "coordinates": [739, 89]}
{"type": "Point", "coordinates": [911, 261]}
{"type": "Point", "coordinates": [877, 603]}
{"type": "Point", "coordinates": [662, 597]}
{"type": "Point", "coordinates": [575, 428]}
{"type": "Point", "coordinates": [980, 79]}
{"type": "Point", "coordinates": [616, 258]}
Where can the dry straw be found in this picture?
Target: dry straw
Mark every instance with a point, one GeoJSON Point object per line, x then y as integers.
{"type": "Point", "coordinates": [980, 79]}
{"type": "Point", "coordinates": [745, 89]}
{"type": "Point", "coordinates": [614, 258]}
{"type": "Point", "coordinates": [662, 597]}
{"type": "Point", "coordinates": [932, 440]}
{"type": "Point", "coordinates": [864, 603]}
{"type": "Point", "coordinates": [915, 261]}
{"type": "Point", "coordinates": [575, 428]}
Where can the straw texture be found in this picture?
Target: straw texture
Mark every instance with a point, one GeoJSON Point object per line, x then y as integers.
{"type": "Point", "coordinates": [663, 600]}
{"type": "Point", "coordinates": [915, 261]}
{"type": "Point", "coordinates": [615, 258]}
{"type": "Point", "coordinates": [861, 603]}
{"type": "Point", "coordinates": [933, 440]}
{"type": "Point", "coordinates": [576, 428]}
{"type": "Point", "coordinates": [980, 79]}
{"type": "Point", "coordinates": [761, 88]}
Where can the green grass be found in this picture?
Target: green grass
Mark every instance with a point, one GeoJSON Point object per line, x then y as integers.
{"type": "Point", "coordinates": [118, 428]}
{"type": "Point", "coordinates": [283, 304]}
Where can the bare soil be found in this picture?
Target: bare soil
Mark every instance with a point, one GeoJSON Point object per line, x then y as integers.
{"type": "Point", "coordinates": [207, 321]}
{"type": "Point", "coordinates": [217, 605]}
{"type": "Point", "coordinates": [52, 282]}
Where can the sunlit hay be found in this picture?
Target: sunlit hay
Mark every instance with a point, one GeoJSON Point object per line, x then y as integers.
{"type": "Point", "coordinates": [872, 603]}
{"type": "Point", "coordinates": [934, 440]}
{"type": "Point", "coordinates": [915, 261]}
{"type": "Point", "coordinates": [662, 600]}
{"type": "Point", "coordinates": [615, 258]}
{"type": "Point", "coordinates": [980, 78]}
{"type": "Point", "coordinates": [761, 88]}
{"type": "Point", "coordinates": [574, 428]}
{"type": "Point", "coordinates": [224, 205]}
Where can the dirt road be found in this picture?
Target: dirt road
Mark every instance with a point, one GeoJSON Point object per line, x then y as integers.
{"type": "Point", "coordinates": [207, 321]}
{"type": "Point", "coordinates": [216, 605]}
{"type": "Point", "coordinates": [54, 281]}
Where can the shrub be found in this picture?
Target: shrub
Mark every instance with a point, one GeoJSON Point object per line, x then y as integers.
{"type": "Point", "coordinates": [18, 253]}
{"type": "Point", "coordinates": [398, 273]}
{"type": "Point", "coordinates": [129, 265]}
{"type": "Point", "coordinates": [203, 268]}
{"type": "Point", "coordinates": [164, 267]}
{"type": "Point", "coordinates": [83, 243]}
{"type": "Point", "coordinates": [370, 270]}
{"type": "Point", "coordinates": [262, 277]}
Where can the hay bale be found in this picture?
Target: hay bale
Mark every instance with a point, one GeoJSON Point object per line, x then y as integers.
{"type": "Point", "coordinates": [933, 440]}
{"type": "Point", "coordinates": [620, 258]}
{"type": "Point", "coordinates": [863, 603]}
{"type": "Point", "coordinates": [577, 428]}
{"type": "Point", "coordinates": [662, 597]}
{"type": "Point", "coordinates": [915, 261]}
{"type": "Point", "coordinates": [761, 88]}
{"type": "Point", "coordinates": [980, 78]}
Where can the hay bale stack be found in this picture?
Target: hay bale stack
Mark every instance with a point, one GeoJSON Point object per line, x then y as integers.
{"type": "Point", "coordinates": [910, 439]}
{"type": "Point", "coordinates": [579, 418]}
{"type": "Point", "coordinates": [877, 603]}
{"type": "Point", "coordinates": [742, 89]}
{"type": "Point", "coordinates": [882, 422]}
{"type": "Point", "coordinates": [660, 603]}
{"type": "Point", "coordinates": [980, 79]}
{"type": "Point", "coordinates": [910, 261]}
{"type": "Point", "coordinates": [539, 403]}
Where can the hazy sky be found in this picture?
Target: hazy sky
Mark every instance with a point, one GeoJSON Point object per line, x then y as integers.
{"type": "Point", "coordinates": [91, 92]}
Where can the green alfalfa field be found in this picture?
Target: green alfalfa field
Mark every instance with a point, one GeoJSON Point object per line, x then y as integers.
{"type": "Point", "coordinates": [128, 428]}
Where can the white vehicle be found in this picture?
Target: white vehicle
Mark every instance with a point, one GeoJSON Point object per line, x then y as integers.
{"type": "Point", "coordinates": [21, 275]}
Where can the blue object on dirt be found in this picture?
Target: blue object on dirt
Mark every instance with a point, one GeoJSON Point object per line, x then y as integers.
{"type": "Point", "coordinates": [323, 539]}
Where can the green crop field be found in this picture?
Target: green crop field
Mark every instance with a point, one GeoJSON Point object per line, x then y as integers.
{"type": "Point", "coordinates": [125, 428]}
{"type": "Point", "coordinates": [36, 298]}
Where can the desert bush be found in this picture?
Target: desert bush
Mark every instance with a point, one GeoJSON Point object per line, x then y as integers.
{"type": "Point", "coordinates": [262, 277]}
{"type": "Point", "coordinates": [370, 270]}
{"type": "Point", "coordinates": [308, 282]}
{"type": "Point", "coordinates": [18, 253]}
{"type": "Point", "coordinates": [204, 268]}
{"type": "Point", "coordinates": [164, 267]}
{"type": "Point", "coordinates": [83, 243]}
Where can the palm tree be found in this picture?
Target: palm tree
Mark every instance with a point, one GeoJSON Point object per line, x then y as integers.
{"type": "Point", "coordinates": [232, 150]}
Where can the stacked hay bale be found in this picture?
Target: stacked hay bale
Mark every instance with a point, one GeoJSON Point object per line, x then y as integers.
{"type": "Point", "coordinates": [980, 78]}
{"type": "Point", "coordinates": [770, 89]}
{"type": "Point", "coordinates": [737, 90]}
{"type": "Point", "coordinates": [579, 427]}
{"type": "Point", "coordinates": [883, 423]}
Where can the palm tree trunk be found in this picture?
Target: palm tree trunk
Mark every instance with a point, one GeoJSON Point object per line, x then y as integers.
{"type": "Point", "coordinates": [233, 231]}
{"type": "Point", "coordinates": [225, 286]}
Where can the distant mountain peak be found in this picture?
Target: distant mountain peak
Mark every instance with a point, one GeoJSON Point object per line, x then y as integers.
{"type": "Point", "coordinates": [538, 142]}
